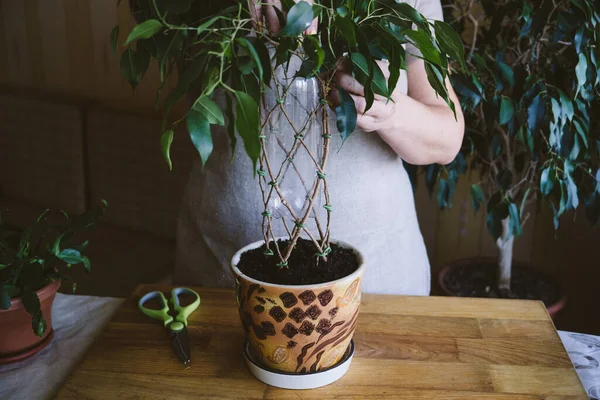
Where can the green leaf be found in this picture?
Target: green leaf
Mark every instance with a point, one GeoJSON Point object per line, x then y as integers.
{"type": "Point", "coordinates": [230, 125]}
{"type": "Point", "coordinates": [4, 297]}
{"type": "Point", "coordinates": [248, 125]}
{"type": "Point", "coordinates": [536, 112]}
{"type": "Point", "coordinates": [507, 110]}
{"type": "Point", "coordinates": [186, 78]}
{"type": "Point", "coordinates": [38, 324]}
{"type": "Point", "coordinates": [581, 72]}
{"type": "Point", "coordinates": [31, 301]}
{"type": "Point", "coordinates": [506, 74]}
{"type": "Point", "coordinates": [405, 12]}
{"type": "Point", "coordinates": [168, 45]}
{"type": "Point", "coordinates": [578, 39]}
{"type": "Point", "coordinates": [436, 80]}
{"type": "Point", "coordinates": [114, 38]}
{"type": "Point", "coordinates": [477, 196]}
{"type": "Point", "coordinates": [443, 194]}
{"type": "Point", "coordinates": [423, 42]}
{"type": "Point", "coordinates": [257, 61]}
{"type": "Point", "coordinates": [546, 181]}
{"type": "Point", "coordinates": [199, 129]}
{"type": "Point", "coordinates": [128, 67]}
{"type": "Point", "coordinates": [315, 57]}
{"type": "Point", "coordinates": [346, 28]}
{"type": "Point", "coordinates": [165, 144]}
{"type": "Point", "coordinates": [346, 115]}
{"type": "Point", "coordinates": [450, 42]}
{"type": "Point", "coordinates": [515, 220]}
{"type": "Point", "coordinates": [299, 19]}
{"type": "Point", "coordinates": [264, 59]}
{"type": "Point", "coordinates": [211, 111]}
{"type": "Point", "coordinates": [342, 11]}
{"type": "Point", "coordinates": [70, 256]}
{"type": "Point", "coordinates": [144, 30]}
{"type": "Point", "coordinates": [245, 64]}
{"type": "Point", "coordinates": [208, 23]}
{"type": "Point", "coordinates": [567, 105]}
{"type": "Point", "coordinates": [86, 264]}
{"type": "Point", "coordinates": [361, 72]}
{"type": "Point", "coordinates": [396, 57]}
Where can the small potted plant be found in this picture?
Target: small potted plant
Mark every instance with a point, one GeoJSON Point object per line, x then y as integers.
{"type": "Point", "coordinates": [32, 262]}
{"type": "Point", "coordinates": [298, 295]}
{"type": "Point", "coordinates": [529, 98]}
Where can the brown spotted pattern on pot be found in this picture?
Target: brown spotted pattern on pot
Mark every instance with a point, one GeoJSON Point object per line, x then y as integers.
{"type": "Point", "coordinates": [298, 328]}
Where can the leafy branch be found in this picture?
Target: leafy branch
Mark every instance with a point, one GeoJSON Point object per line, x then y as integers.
{"type": "Point", "coordinates": [221, 51]}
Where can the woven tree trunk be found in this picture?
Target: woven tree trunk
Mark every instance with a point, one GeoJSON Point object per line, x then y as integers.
{"type": "Point", "coordinates": [295, 140]}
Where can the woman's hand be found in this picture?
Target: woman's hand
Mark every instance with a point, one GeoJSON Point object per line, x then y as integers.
{"type": "Point", "coordinates": [419, 127]}
{"type": "Point", "coordinates": [263, 12]}
{"type": "Point", "coordinates": [380, 115]}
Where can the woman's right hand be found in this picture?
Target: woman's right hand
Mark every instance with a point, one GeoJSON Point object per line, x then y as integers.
{"type": "Point", "coordinates": [263, 13]}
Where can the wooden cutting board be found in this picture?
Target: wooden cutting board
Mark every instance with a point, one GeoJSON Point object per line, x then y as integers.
{"type": "Point", "coordinates": [406, 347]}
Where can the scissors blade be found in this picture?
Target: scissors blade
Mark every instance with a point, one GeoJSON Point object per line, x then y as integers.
{"type": "Point", "coordinates": [180, 342]}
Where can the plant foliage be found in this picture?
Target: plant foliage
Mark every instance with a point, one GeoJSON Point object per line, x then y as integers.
{"type": "Point", "coordinates": [529, 97]}
{"type": "Point", "coordinates": [30, 258]}
{"type": "Point", "coordinates": [220, 48]}
{"type": "Point", "coordinates": [216, 48]}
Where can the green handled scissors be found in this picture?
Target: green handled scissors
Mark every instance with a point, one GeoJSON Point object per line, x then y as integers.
{"type": "Point", "coordinates": [177, 326]}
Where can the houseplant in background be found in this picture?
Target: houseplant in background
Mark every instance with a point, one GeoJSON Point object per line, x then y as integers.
{"type": "Point", "coordinates": [529, 100]}
{"type": "Point", "coordinates": [299, 295]}
{"type": "Point", "coordinates": [32, 263]}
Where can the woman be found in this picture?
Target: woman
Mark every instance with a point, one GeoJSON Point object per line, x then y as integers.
{"type": "Point", "coordinates": [371, 191]}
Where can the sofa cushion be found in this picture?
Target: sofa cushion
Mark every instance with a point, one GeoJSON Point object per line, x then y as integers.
{"type": "Point", "coordinates": [41, 152]}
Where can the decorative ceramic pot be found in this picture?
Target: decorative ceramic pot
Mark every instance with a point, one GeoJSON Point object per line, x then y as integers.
{"type": "Point", "coordinates": [298, 329]}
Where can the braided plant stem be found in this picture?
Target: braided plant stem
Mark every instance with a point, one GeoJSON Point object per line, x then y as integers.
{"type": "Point", "coordinates": [266, 169]}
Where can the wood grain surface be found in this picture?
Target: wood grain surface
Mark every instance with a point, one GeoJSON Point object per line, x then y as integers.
{"type": "Point", "coordinates": [406, 348]}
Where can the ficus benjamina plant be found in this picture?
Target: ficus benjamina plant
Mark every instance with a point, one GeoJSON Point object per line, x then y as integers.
{"type": "Point", "coordinates": [38, 255]}
{"type": "Point", "coordinates": [217, 47]}
{"type": "Point", "coordinates": [530, 100]}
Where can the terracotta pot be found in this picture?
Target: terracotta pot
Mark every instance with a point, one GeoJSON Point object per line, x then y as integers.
{"type": "Point", "coordinates": [17, 339]}
{"type": "Point", "coordinates": [296, 329]}
{"type": "Point", "coordinates": [553, 309]}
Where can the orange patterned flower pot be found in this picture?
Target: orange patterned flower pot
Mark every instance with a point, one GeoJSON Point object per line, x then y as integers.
{"type": "Point", "coordinates": [298, 329]}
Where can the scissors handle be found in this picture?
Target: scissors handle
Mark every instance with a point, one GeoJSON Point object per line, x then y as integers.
{"type": "Point", "coordinates": [182, 312]}
{"type": "Point", "coordinates": [162, 314]}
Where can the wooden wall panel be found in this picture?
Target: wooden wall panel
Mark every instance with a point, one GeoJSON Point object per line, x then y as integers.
{"type": "Point", "coordinates": [4, 78]}
{"type": "Point", "coordinates": [34, 42]}
{"type": "Point", "coordinates": [55, 53]}
{"type": "Point", "coordinates": [15, 31]}
{"type": "Point", "coordinates": [81, 47]}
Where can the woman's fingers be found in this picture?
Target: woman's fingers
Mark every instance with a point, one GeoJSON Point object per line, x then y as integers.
{"type": "Point", "coordinates": [347, 82]}
{"type": "Point", "coordinates": [271, 15]}
{"type": "Point", "coordinates": [255, 7]}
{"type": "Point", "coordinates": [263, 11]}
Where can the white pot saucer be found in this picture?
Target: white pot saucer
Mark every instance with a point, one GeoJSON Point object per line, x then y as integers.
{"type": "Point", "coordinates": [307, 380]}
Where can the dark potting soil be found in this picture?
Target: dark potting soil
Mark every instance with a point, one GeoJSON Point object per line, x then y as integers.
{"type": "Point", "coordinates": [304, 267]}
{"type": "Point", "coordinates": [479, 280]}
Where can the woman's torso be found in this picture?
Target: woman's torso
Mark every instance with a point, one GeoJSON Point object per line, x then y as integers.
{"type": "Point", "coordinates": [373, 209]}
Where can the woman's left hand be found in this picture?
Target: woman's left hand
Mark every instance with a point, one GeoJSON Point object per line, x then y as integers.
{"type": "Point", "coordinates": [381, 113]}
{"type": "Point", "coordinates": [419, 126]}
